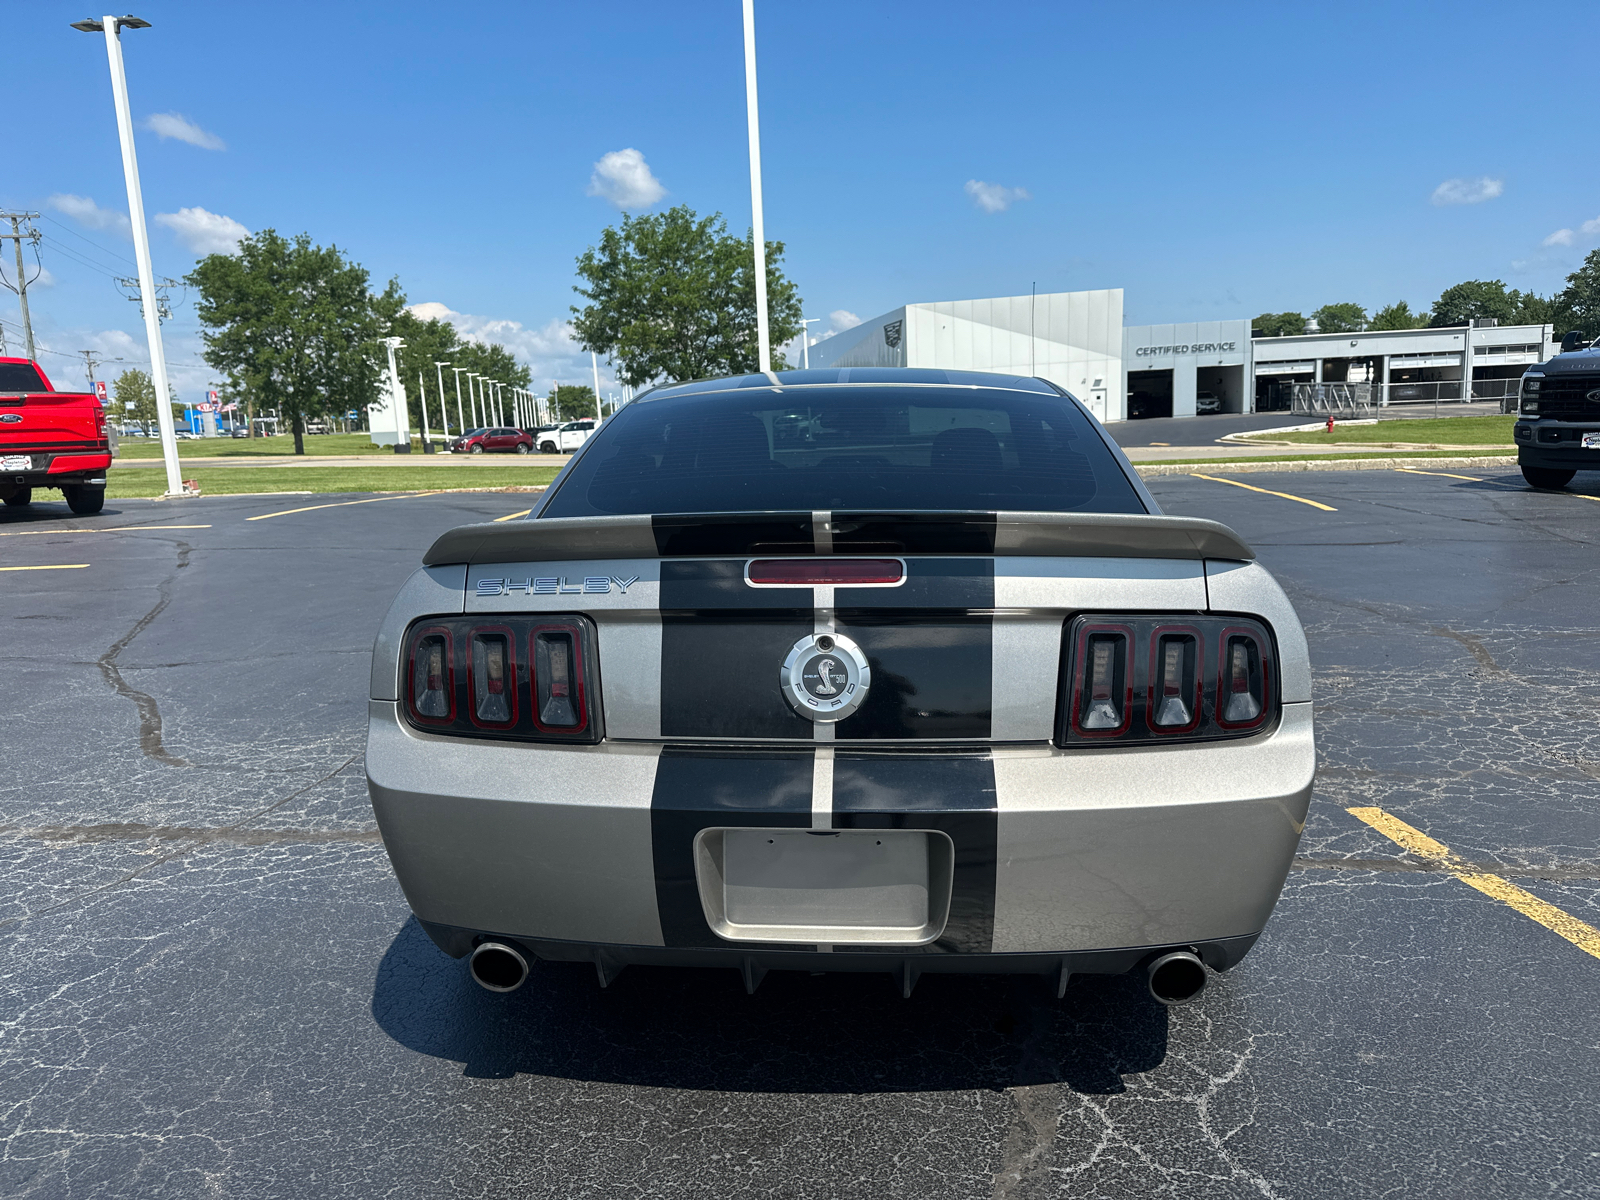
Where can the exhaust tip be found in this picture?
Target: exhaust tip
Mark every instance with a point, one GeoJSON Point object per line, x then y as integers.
{"type": "Point", "coordinates": [498, 967]}
{"type": "Point", "coordinates": [1176, 978]}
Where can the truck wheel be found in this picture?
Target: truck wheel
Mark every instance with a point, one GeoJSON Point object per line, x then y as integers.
{"type": "Point", "coordinates": [1549, 478]}
{"type": "Point", "coordinates": [547, 448]}
{"type": "Point", "coordinates": [522, 447]}
{"type": "Point", "coordinates": [19, 498]}
{"type": "Point", "coordinates": [85, 501]}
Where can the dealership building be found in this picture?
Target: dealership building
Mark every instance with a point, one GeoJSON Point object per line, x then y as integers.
{"type": "Point", "coordinates": [1078, 340]}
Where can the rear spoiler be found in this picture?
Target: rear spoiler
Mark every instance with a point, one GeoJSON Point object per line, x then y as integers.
{"type": "Point", "coordinates": [1066, 535]}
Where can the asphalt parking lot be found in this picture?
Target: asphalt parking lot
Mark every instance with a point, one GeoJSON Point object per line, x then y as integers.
{"type": "Point", "coordinates": [211, 985]}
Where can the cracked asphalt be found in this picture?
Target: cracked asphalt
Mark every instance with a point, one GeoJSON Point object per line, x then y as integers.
{"type": "Point", "coordinates": [210, 984]}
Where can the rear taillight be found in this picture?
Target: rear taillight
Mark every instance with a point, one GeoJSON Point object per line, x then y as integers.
{"type": "Point", "coordinates": [532, 678]}
{"type": "Point", "coordinates": [1153, 679]}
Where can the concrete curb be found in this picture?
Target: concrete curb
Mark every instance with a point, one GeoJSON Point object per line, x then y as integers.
{"type": "Point", "coordinates": [1247, 466]}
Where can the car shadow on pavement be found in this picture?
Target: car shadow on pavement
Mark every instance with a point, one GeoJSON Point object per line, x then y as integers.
{"type": "Point", "coordinates": [698, 1030]}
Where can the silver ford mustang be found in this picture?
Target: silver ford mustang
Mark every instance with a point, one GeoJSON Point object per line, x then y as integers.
{"type": "Point", "coordinates": [848, 670]}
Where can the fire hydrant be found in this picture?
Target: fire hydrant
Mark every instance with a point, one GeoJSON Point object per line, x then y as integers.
{"type": "Point", "coordinates": [1330, 422]}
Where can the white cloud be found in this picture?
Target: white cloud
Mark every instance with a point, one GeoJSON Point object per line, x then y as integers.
{"type": "Point", "coordinates": [90, 215]}
{"type": "Point", "coordinates": [992, 197]}
{"type": "Point", "coordinates": [1561, 237]}
{"type": "Point", "coordinates": [550, 352]}
{"type": "Point", "coordinates": [841, 319]}
{"type": "Point", "coordinates": [45, 278]}
{"type": "Point", "coordinates": [204, 232]}
{"type": "Point", "coordinates": [1468, 191]}
{"type": "Point", "coordinates": [624, 178]}
{"type": "Point", "coordinates": [181, 129]}
{"type": "Point", "coordinates": [1591, 227]}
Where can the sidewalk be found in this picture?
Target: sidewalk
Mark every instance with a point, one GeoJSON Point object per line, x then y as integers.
{"type": "Point", "coordinates": [464, 461]}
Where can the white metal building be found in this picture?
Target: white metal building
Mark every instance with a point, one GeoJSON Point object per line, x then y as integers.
{"type": "Point", "coordinates": [1077, 340]}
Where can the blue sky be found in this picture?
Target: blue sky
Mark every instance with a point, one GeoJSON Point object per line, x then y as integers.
{"type": "Point", "coordinates": [1213, 160]}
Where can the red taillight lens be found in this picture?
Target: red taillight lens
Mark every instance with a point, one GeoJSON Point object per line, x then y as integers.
{"type": "Point", "coordinates": [1175, 679]}
{"type": "Point", "coordinates": [1241, 692]}
{"type": "Point", "coordinates": [1102, 705]}
{"type": "Point", "coordinates": [433, 677]}
{"type": "Point", "coordinates": [1129, 679]}
{"type": "Point", "coordinates": [558, 700]}
{"type": "Point", "coordinates": [526, 677]}
{"type": "Point", "coordinates": [494, 678]}
{"type": "Point", "coordinates": [818, 572]}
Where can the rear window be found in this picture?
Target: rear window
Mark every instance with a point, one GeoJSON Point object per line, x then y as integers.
{"type": "Point", "coordinates": [847, 448]}
{"type": "Point", "coordinates": [20, 377]}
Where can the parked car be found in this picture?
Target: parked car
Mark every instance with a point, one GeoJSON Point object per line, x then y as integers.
{"type": "Point", "coordinates": [1207, 403]}
{"type": "Point", "coordinates": [51, 439]}
{"type": "Point", "coordinates": [563, 439]}
{"type": "Point", "coordinates": [493, 440]}
{"type": "Point", "coordinates": [735, 697]}
{"type": "Point", "coordinates": [1140, 404]}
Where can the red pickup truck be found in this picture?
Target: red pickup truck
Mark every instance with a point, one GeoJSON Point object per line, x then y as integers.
{"type": "Point", "coordinates": [51, 439]}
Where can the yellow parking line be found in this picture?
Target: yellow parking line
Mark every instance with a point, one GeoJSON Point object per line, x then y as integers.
{"type": "Point", "coordinates": [108, 529]}
{"type": "Point", "coordinates": [1582, 935]}
{"type": "Point", "coordinates": [60, 567]}
{"type": "Point", "coordinates": [340, 504]}
{"type": "Point", "coordinates": [513, 516]}
{"type": "Point", "coordinates": [1267, 492]}
{"type": "Point", "coordinates": [1440, 474]}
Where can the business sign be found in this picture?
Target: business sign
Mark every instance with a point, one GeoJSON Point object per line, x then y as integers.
{"type": "Point", "coordinates": [100, 391]}
{"type": "Point", "coordinates": [1190, 348]}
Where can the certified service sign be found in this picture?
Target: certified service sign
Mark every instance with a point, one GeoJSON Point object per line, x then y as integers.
{"type": "Point", "coordinates": [825, 677]}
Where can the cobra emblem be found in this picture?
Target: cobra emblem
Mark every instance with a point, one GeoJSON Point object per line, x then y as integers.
{"type": "Point", "coordinates": [825, 684]}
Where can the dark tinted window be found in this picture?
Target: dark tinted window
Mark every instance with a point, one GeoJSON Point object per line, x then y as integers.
{"type": "Point", "coordinates": [19, 377]}
{"type": "Point", "coordinates": [847, 448]}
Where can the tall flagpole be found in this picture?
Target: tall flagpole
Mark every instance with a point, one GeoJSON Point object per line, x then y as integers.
{"type": "Point", "coordinates": [758, 228]}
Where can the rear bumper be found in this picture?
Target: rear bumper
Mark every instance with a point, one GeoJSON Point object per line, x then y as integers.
{"type": "Point", "coordinates": [1094, 857]}
{"type": "Point", "coordinates": [49, 469]}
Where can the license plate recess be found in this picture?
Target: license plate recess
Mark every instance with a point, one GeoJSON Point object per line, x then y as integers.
{"type": "Point", "coordinates": [839, 886]}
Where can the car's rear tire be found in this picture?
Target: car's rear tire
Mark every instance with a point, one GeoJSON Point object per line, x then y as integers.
{"type": "Point", "coordinates": [19, 498]}
{"type": "Point", "coordinates": [477, 447]}
{"type": "Point", "coordinates": [1549, 478]}
{"type": "Point", "coordinates": [547, 448]}
{"type": "Point", "coordinates": [85, 501]}
{"type": "Point", "coordinates": [522, 447]}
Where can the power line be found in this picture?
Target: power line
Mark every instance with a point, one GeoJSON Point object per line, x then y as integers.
{"type": "Point", "coordinates": [88, 241]}
{"type": "Point", "coordinates": [81, 259]}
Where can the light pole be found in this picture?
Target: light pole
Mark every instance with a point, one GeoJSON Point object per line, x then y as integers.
{"type": "Point", "coordinates": [594, 363]}
{"type": "Point", "coordinates": [805, 343]}
{"type": "Point", "coordinates": [444, 413]}
{"type": "Point", "coordinates": [757, 228]}
{"type": "Point", "coordinates": [472, 395]}
{"type": "Point", "coordinates": [460, 419]}
{"type": "Point", "coordinates": [112, 27]}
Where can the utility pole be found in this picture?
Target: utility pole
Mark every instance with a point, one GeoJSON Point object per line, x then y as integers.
{"type": "Point", "coordinates": [89, 365]}
{"type": "Point", "coordinates": [112, 28]}
{"type": "Point", "coordinates": [16, 237]}
{"type": "Point", "coordinates": [460, 419]}
{"type": "Point", "coordinates": [757, 226]}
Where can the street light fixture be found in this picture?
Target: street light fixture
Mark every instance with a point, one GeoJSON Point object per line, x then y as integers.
{"type": "Point", "coordinates": [112, 28]}
{"type": "Point", "coordinates": [805, 342]}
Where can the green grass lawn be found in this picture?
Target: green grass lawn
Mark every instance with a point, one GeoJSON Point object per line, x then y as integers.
{"type": "Point", "coordinates": [1445, 431]}
{"type": "Point", "coordinates": [226, 481]}
{"type": "Point", "coordinates": [321, 443]}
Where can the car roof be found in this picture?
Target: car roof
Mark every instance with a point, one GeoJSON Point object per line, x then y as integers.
{"type": "Point", "coordinates": [855, 377]}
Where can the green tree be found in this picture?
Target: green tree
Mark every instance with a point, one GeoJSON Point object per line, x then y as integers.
{"type": "Point", "coordinates": [1578, 304]}
{"type": "Point", "coordinates": [1284, 324]}
{"type": "Point", "coordinates": [574, 401]}
{"type": "Point", "coordinates": [1398, 316]}
{"type": "Point", "coordinates": [1340, 318]}
{"type": "Point", "coordinates": [1474, 300]}
{"type": "Point", "coordinates": [292, 324]}
{"type": "Point", "coordinates": [672, 297]}
{"type": "Point", "coordinates": [136, 395]}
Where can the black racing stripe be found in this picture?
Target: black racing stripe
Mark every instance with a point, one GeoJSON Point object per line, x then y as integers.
{"type": "Point", "coordinates": [719, 675]}
{"type": "Point", "coordinates": [952, 793]}
{"type": "Point", "coordinates": [696, 534]}
{"type": "Point", "coordinates": [932, 675]}
{"type": "Point", "coordinates": [706, 789]}
{"type": "Point", "coordinates": [930, 583]}
{"type": "Point", "coordinates": [913, 533]}
{"type": "Point", "coordinates": [691, 586]}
